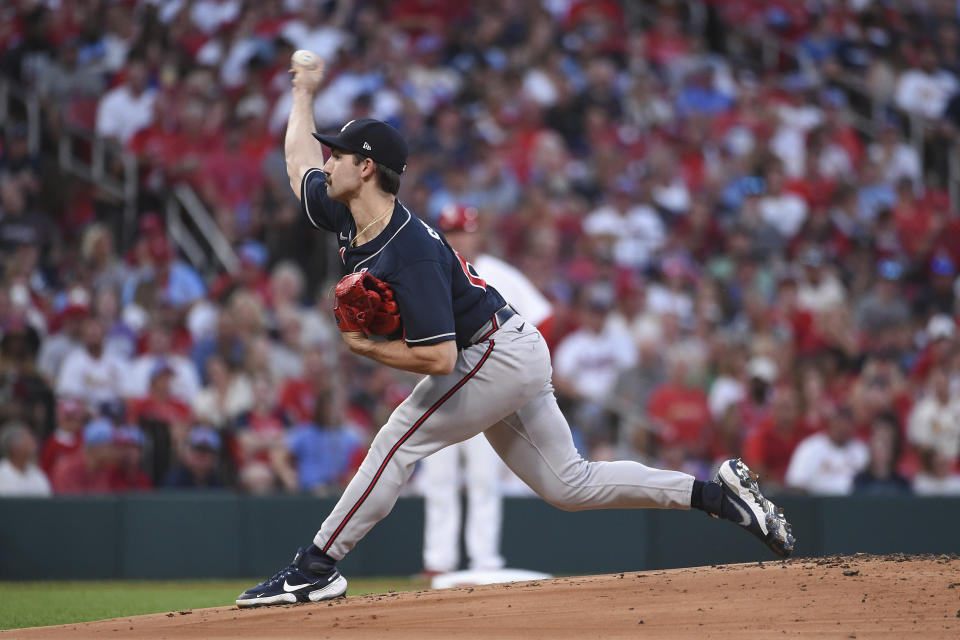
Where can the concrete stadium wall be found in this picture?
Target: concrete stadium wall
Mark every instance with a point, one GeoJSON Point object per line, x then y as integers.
{"type": "Point", "coordinates": [199, 535]}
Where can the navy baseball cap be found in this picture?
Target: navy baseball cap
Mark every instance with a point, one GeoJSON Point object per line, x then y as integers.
{"type": "Point", "coordinates": [373, 139]}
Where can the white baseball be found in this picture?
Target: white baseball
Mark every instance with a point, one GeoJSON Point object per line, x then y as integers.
{"type": "Point", "coordinates": [304, 58]}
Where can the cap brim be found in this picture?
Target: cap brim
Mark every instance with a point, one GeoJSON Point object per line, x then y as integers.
{"type": "Point", "coordinates": [334, 142]}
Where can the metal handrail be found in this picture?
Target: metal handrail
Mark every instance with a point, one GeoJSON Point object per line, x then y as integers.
{"type": "Point", "coordinates": [124, 190]}
{"type": "Point", "coordinates": [221, 247]}
{"type": "Point", "coordinates": [94, 172]}
{"type": "Point", "coordinates": [181, 235]}
{"type": "Point", "coordinates": [125, 187]}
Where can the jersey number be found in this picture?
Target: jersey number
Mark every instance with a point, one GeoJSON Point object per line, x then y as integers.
{"type": "Point", "coordinates": [471, 273]}
{"type": "Point", "coordinates": [468, 269]}
{"type": "Point", "coordinates": [433, 234]}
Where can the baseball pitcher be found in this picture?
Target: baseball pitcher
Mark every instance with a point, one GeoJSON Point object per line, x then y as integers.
{"type": "Point", "coordinates": [487, 369]}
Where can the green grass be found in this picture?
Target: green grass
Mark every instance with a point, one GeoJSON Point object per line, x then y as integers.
{"type": "Point", "coordinates": [34, 604]}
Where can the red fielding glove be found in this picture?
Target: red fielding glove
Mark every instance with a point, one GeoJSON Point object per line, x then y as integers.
{"type": "Point", "coordinates": [363, 302]}
{"type": "Point", "coordinates": [386, 317]}
{"type": "Point", "coordinates": [346, 318]}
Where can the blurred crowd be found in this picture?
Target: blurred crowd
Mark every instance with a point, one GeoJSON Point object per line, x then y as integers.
{"type": "Point", "coordinates": [735, 269]}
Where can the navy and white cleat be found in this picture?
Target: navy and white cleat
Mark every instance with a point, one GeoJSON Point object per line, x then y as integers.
{"type": "Point", "coordinates": [744, 504]}
{"type": "Point", "coordinates": [295, 584]}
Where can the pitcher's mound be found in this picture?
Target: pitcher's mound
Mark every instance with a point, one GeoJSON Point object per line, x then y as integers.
{"type": "Point", "coordinates": [837, 597]}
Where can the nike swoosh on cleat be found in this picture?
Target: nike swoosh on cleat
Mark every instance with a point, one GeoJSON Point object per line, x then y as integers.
{"type": "Point", "coordinates": [520, 328]}
{"type": "Point", "coordinates": [744, 515]}
{"type": "Point", "coordinates": [294, 587]}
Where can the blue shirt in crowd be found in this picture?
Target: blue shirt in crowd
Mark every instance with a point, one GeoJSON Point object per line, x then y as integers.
{"type": "Point", "coordinates": [323, 454]}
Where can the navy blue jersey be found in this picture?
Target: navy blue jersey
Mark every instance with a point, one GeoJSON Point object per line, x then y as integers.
{"type": "Point", "coordinates": [440, 295]}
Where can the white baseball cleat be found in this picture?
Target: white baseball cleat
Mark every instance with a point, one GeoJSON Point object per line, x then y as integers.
{"type": "Point", "coordinates": [744, 504]}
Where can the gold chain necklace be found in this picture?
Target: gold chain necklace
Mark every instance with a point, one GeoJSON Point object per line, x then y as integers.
{"type": "Point", "coordinates": [353, 243]}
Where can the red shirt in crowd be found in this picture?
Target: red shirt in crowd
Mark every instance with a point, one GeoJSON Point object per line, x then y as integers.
{"type": "Point", "coordinates": [702, 236]}
{"type": "Point", "coordinates": [267, 424]}
{"type": "Point", "coordinates": [816, 190]}
{"type": "Point", "coordinates": [71, 475]}
{"type": "Point", "coordinates": [415, 16]}
{"type": "Point", "coordinates": [913, 223]}
{"type": "Point", "coordinates": [663, 47]}
{"type": "Point", "coordinates": [683, 411]}
{"type": "Point", "coordinates": [298, 400]}
{"type": "Point", "coordinates": [149, 408]}
{"type": "Point", "coordinates": [150, 143]}
{"type": "Point", "coordinates": [948, 241]}
{"type": "Point", "coordinates": [233, 177]}
{"type": "Point", "coordinates": [802, 326]}
{"type": "Point", "coordinates": [771, 448]}
{"type": "Point", "coordinates": [846, 137]}
{"type": "Point", "coordinates": [126, 479]}
{"type": "Point", "coordinates": [58, 445]}
{"type": "Point", "coordinates": [264, 422]}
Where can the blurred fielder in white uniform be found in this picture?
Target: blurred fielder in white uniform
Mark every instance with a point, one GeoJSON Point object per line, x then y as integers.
{"type": "Point", "coordinates": [482, 467]}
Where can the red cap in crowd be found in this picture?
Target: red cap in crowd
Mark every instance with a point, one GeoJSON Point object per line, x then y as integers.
{"type": "Point", "coordinates": [456, 217]}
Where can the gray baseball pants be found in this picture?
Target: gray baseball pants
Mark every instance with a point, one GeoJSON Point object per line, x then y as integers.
{"type": "Point", "coordinates": [502, 388]}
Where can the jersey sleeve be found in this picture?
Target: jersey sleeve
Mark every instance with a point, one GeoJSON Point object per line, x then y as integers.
{"type": "Point", "coordinates": [424, 295]}
{"type": "Point", "coordinates": [322, 212]}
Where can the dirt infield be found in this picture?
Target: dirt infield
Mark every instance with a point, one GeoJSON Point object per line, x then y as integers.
{"type": "Point", "coordinates": [837, 597]}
